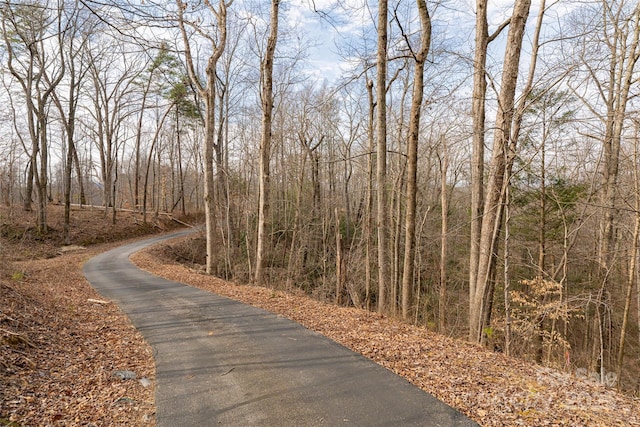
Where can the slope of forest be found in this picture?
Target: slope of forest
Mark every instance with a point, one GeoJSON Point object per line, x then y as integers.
{"type": "Point", "coordinates": [61, 343]}
{"type": "Point", "coordinates": [486, 185]}
{"type": "Point", "coordinates": [489, 387]}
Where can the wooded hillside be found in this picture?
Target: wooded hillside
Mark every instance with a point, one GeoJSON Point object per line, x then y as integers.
{"type": "Point", "coordinates": [472, 171]}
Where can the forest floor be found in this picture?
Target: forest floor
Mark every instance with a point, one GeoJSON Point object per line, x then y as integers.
{"type": "Point", "coordinates": [61, 344]}
{"type": "Point", "coordinates": [489, 387]}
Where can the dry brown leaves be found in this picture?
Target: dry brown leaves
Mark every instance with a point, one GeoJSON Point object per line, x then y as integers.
{"type": "Point", "coordinates": [59, 350]}
{"type": "Point", "coordinates": [488, 387]}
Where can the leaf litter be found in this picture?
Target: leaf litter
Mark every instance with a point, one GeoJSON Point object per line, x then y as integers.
{"type": "Point", "coordinates": [61, 343]}
{"type": "Point", "coordinates": [489, 387]}
{"type": "Point", "coordinates": [61, 370]}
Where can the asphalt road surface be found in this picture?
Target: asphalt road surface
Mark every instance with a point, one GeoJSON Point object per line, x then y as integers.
{"type": "Point", "coordinates": [220, 362]}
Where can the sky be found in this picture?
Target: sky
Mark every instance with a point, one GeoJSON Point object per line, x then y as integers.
{"type": "Point", "coordinates": [453, 18]}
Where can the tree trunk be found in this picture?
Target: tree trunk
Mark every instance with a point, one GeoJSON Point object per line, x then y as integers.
{"type": "Point", "coordinates": [180, 167]}
{"type": "Point", "coordinates": [292, 270]}
{"type": "Point", "coordinates": [482, 295]}
{"type": "Point", "coordinates": [622, 68]}
{"type": "Point", "coordinates": [136, 172]}
{"type": "Point", "coordinates": [222, 201]}
{"type": "Point", "coordinates": [44, 173]}
{"type": "Point", "coordinates": [542, 238]}
{"type": "Point", "coordinates": [265, 143]}
{"type": "Point", "coordinates": [28, 193]}
{"type": "Point", "coordinates": [395, 224]}
{"type": "Point", "coordinates": [68, 167]}
{"type": "Point", "coordinates": [208, 93]}
{"type": "Point", "coordinates": [76, 160]}
{"type": "Point", "coordinates": [381, 162]}
{"type": "Point", "coordinates": [631, 272]}
{"type": "Point", "coordinates": [477, 162]}
{"type": "Point", "coordinates": [154, 141]}
{"type": "Point", "coordinates": [339, 276]}
{"type": "Point", "coordinates": [369, 213]}
{"type": "Point", "coordinates": [412, 161]}
{"type": "Point", "coordinates": [114, 189]}
{"type": "Point", "coordinates": [444, 221]}
{"type": "Point", "coordinates": [507, 273]}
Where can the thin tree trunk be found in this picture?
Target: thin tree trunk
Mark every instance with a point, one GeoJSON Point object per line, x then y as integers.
{"type": "Point", "coordinates": [43, 175]}
{"type": "Point", "coordinates": [478, 115]}
{"type": "Point", "coordinates": [631, 273]}
{"type": "Point", "coordinates": [412, 161]}
{"type": "Point", "coordinates": [114, 189]}
{"type": "Point", "coordinates": [145, 187]}
{"type": "Point", "coordinates": [180, 168]}
{"type": "Point", "coordinates": [339, 276]}
{"type": "Point", "coordinates": [68, 167]}
{"type": "Point", "coordinates": [293, 254]}
{"type": "Point", "coordinates": [381, 162]}
{"type": "Point", "coordinates": [540, 321]}
{"type": "Point", "coordinates": [369, 214]}
{"type": "Point", "coordinates": [395, 216]}
{"type": "Point", "coordinates": [482, 298]}
{"type": "Point", "coordinates": [209, 180]}
{"type": "Point", "coordinates": [76, 160]}
{"type": "Point", "coordinates": [136, 172]}
{"type": "Point", "coordinates": [208, 93]}
{"type": "Point", "coordinates": [507, 273]}
{"type": "Point", "coordinates": [221, 176]}
{"type": "Point", "coordinates": [444, 204]}
{"type": "Point", "coordinates": [265, 144]}
{"type": "Point", "coordinates": [28, 194]}
{"type": "Point", "coordinates": [622, 68]}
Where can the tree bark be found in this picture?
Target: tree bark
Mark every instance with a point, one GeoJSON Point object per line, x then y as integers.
{"type": "Point", "coordinates": [339, 275]}
{"type": "Point", "coordinates": [381, 160]}
{"type": "Point", "coordinates": [369, 213]}
{"type": "Point", "coordinates": [266, 77]}
{"type": "Point", "coordinates": [482, 295]}
{"type": "Point", "coordinates": [633, 261]}
{"type": "Point", "coordinates": [76, 160]}
{"type": "Point", "coordinates": [623, 61]}
{"type": "Point", "coordinates": [208, 93]}
{"type": "Point", "coordinates": [444, 221]}
{"type": "Point", "coordinates": [412, 161]}
{"type": "Point", "coordinates": [478, 116]}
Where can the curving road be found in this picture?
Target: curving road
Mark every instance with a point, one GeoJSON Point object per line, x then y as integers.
{"type": "Point", "coordinates": [220, 362]}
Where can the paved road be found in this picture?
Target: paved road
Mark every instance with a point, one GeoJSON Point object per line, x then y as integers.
{"type": "Point", "coordinates": [220, 362]}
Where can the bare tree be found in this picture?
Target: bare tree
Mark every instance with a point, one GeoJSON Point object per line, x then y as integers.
{"type": "Point", "coordinates": [614, 42]}
{"type": "Point", "coordinates": [207, 91]}
{"type": "Point", "coordinates": [368, 226]}
{"type": "Point", "coordinates": [481, 289]}
{"type": "Point", "coordinates": [25, 29]}
{"type": "Point", "coordinates": [75, 58]}
{"type": "Point", "coordinates": [266, 98]}
{"type": "Point", "coordinates": [444, 240]}
{"type": "Point", "coordinates": [420, 57]}
{"type": "Point", "coordinates": [624, 56]}
{"type": "Point", "coordinates": [154, 67]}
{"type": "Point", "coordinates": [110, 95]}
{"type": "Point", "coordinates": [633, 261]}
{"type": "Point", "coordinates": [382, 225]}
